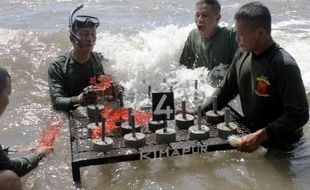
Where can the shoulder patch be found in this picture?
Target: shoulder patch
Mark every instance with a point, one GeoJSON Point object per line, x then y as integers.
{"type": "Point", "coordinates": [262, 85]}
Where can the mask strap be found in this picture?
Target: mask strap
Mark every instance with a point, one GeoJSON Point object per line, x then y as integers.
{"type": "Point", "coordinates": [71, 21]}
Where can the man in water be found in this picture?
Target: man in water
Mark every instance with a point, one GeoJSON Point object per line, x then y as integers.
{"type": "Point", "coordinates": [13, 168]}
{"type": "Point", "coordinates": [269, 83]}
{"type": "Point", "coordinates": [70, 73]}
{"type": "Point", "coordinates": [208, 45]}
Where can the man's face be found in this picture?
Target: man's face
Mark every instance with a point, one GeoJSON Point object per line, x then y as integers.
{"type": "Point", "coordinates": [246, 36]}
{"type": "Point", "coordinates": [206, 19]}
{"type": "Point", "coordinates": [4, 96]}
{"type": "Point", "coordinates": [88, 38]}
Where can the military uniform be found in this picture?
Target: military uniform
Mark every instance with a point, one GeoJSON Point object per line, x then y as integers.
{"type": "Point", "coordinates": [21, 166]}
{"type": "Point", "coordinates": [67, 78]}
{"type": "Point", "coordinates": [271, 91]}
{"type": "Point", "coordinates": [199, 51]}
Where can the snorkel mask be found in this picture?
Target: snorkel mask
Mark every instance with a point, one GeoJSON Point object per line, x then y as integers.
{"type": "Point", "coordinates": [81, 21]}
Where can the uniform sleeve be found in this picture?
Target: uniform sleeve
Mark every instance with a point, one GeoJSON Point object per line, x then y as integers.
{"type": "Point", "coordinates": [21, 166]}
{"type": "Point", "coordinates": [291, 89]}
{"type": "Point", "coordinates": [59, 98]}
{"type": "Point", "coordinates": [227, 90]}
{"type": "Point", "coordinates": [188, 56]}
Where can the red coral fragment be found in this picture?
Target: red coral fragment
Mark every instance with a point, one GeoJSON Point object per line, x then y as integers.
{"type": "Point", "coordinates": [49, 134]}
{"type": "Point", "coordinates": [102, 82]}
{"type": "Point", "coordinates": [117, 115]}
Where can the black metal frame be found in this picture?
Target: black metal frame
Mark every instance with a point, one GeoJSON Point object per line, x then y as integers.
{"type": "Point", "coordinates": [82, 156]}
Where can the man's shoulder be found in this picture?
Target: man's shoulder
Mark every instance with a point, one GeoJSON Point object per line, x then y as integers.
{"type": "Point", "coordinates": [194, 33]}
{"type": "Point", "coordinates": [98, 55]}
{"type": "Point", "coordinates": [282, 57]}
{"type": "Point", "coordinates": [226, 28]}
{"type": "Point", "coordinates": [227, 31]}
{"type": "Point", "coordinates": [194, 37]}
{"type": "Point", "coordinates": [58, 63]}
{"type": "Point", "coordinates": [61, 59]}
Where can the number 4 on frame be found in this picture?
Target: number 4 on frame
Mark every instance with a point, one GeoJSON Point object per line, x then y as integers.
{"type": "Point", "coordinates": [163, 106]}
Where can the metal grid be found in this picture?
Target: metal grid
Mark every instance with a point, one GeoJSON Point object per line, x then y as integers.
{"type": "Point", "coordinates": [82, 153]}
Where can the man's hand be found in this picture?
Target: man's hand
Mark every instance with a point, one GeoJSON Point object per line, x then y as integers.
{"type": "Point", "coordinates": [250, 142]}
{"type": "Point", "coordinates": [40, 151]}
{"type": "Point", "coordinates": [43, 151]}
{"type": "Point", "coordinates": [109, 91]}
{"type": "Point", "coordinates": [90, 95]}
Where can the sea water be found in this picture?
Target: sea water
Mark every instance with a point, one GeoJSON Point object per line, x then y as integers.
{"type": "Point", "coordinates": [143, 40]}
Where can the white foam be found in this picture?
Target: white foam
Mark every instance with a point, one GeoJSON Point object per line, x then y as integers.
{"type": "Point", "coordinates": [7, 35]}
{"type": "Point", "coordinates": [289, 23]}
{"type": "Point", "coordinates": [153, 55]}
{"type": "Point", "coordinates": [294, 37]}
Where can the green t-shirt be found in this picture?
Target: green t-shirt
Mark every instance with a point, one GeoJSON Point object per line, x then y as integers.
{"type": "Point", "coordinates": [209, 52]}
{"type": "Point", "coordinates": [67, 78]}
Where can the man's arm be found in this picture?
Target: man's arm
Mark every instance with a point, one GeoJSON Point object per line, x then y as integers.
{"type": "Point", "coordinates": [21, 166]}
{"type": "Point", "coordinates": [227, 90]}
{"type": "Point", "coordinates": [291, 89]}
{"type": "Point", "coordinates": [57, 92]}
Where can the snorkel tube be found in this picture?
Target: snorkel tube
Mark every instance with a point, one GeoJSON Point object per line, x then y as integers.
{"type": "Point", "coordinates": [71, 22]}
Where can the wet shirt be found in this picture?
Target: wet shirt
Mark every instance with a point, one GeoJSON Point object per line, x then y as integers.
{"type": "Point", "coordinates": [209, 52]}
{"type": "Point", "coordinates": [21, 166]}
{"type": "Point", "coordinates": [68, 78]}
{"type": "Point", "coordinates": [271, 91]}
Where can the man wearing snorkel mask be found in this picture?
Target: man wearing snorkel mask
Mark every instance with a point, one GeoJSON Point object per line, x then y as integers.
{"type": "Point", "coordinates": [69, 74]}
{"type": "Point", "coordinates": [208, 45]}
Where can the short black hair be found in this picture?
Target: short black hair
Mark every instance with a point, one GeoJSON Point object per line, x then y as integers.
{"type": "Point", "coordinates": [213, 3]}
{"type": "Point", "coordinates": [4, 75]}
{"type": "Point", "coordinates": [256, 15]}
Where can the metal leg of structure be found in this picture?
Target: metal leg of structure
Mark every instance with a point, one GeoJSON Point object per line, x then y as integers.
{"type": "Point", "coordinates": [76, 174]}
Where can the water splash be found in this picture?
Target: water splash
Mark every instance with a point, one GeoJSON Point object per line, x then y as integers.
{"type": "Point", "coordinates": [152, 56]}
